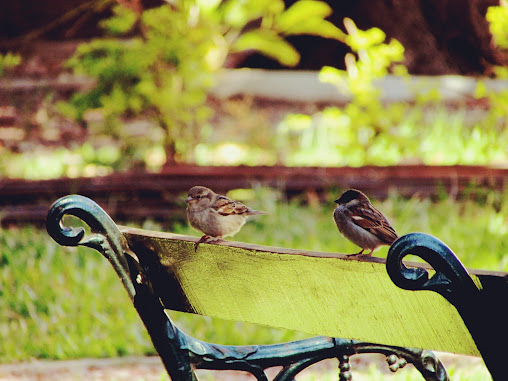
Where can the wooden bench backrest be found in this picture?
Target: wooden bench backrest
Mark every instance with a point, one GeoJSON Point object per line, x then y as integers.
{"type": "Point", "coordinates": [318, 293]}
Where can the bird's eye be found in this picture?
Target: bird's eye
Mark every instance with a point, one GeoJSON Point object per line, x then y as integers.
{"type": "Point", "coordinates": [198, 197]}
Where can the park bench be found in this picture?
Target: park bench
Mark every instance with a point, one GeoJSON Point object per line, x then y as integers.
{"type": "Point", "coordinates": [397, 308]}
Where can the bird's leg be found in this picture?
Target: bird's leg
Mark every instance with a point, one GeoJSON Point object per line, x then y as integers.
{"type": "Point", "coordinates": [207, 239]}
{"type": "Point", "coordinates": [355, 254]}
{"type": "Point", "coordinates": [360, 254]}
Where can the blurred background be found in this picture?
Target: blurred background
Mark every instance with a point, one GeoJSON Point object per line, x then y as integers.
{"type": "Point", "coordinates": [280, 104]}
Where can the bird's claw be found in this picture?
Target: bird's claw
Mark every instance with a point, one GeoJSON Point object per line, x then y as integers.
{"type": "Point", "coordinates": [207, 239]}
{"type": "Point", "coordinates": [360, 254]}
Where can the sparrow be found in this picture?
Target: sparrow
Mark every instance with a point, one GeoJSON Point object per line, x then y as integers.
{"type": "Point", "coordinates": [215, 215]}
{"type": "Point", "coordinates": [361, 223]}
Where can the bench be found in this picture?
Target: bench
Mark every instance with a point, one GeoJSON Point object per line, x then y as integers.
{"type": "Point", "coordinates": [391, 306]}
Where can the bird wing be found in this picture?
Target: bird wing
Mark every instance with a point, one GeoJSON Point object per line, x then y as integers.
{"type": "Point", "coordinates": [374, 222]}
{"type": "Point", "coordinates": [226, 207]}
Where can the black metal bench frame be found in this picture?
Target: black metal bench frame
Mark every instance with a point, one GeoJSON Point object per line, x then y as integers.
{"type": "Point", "coordinates": [480, 308]}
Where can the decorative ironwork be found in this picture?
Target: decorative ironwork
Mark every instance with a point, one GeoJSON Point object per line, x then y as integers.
{"type": "Point", "coordinates": [181, 353]}
{"type": "Point", "coordinates": [480, 303]}
{"type": "Point", "coordinates": [451, 277]}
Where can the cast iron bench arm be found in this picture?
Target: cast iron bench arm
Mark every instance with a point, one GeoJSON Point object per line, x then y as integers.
{"type": "Point", "coordinates": [480, 299]}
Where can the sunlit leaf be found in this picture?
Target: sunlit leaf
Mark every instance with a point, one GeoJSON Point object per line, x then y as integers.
{"type": "Point", "coordinates": [501, 71]}
{"type": "Point", "coordinates": [498, 24]}
{"type": "Point", "coordinates": [239, 13]}
{"type": "Point", "coordinates": [123, 20]}
{"type": "Point", "coordinates": [208, 5]}
{"type": "Point", "coordinates": [481, 90]}
{"type": "Point", "coordinates": [330, 74]}
{"type": "Point", "coordinates": [400, 70]}
{"type": "Point", "coordinates": [362, 39]}
{"type": "Point", "coordinates": [316, 27]}
{"type": "Point", "coordinates": [300, 12]}
{"type": "Point", "coordinates": [270, 44]}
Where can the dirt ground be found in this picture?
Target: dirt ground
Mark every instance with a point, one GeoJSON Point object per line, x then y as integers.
{"type": "Point", "coordinates": [151, 369]}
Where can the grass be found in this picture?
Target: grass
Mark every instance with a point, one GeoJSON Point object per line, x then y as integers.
{"type": "Point", "coordinates": [62, 303]}
{"type": "Point", "coordinates": [247, 133]}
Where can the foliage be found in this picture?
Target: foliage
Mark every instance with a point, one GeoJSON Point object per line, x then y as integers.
{"type": "Point", "coordinates": [148, 97]}
{"type": "Point", "coordinates": [166, 71]}
{"type": "Point", "coordinates": [162, 75]}
{"type": "Point", "coordinates": [371, 59]}
{"type": "Point", "coordinates": [368, 131]}
{"type": "Point", "coordinates": [303, 17]}
{"type": "Point", "coordinates": [9, 61]}
{"type": "Point", "coordinates": [61, 303]}
{"type": "Point", "coordinates": [363, 131]}
{"type": "Point", "coordinates": [497, 101]}
{"type": "Point", "coordinates": [497, 16]}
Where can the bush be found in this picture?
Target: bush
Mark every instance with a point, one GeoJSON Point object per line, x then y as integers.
{"type": "Point", "coordinates": [367, 131]}
{"type": "Point", "coordinates": [165, 72]}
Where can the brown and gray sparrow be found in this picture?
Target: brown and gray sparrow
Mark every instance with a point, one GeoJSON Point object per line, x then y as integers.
{"type": "Point", "coordinates": [215, 215]}
{"type": "Point", "coordinates": [361, 223]}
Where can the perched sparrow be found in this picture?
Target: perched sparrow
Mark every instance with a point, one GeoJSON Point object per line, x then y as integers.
{"type": "Point", "coordinates": [215, 215]}
{"type": "Point", "coordinates": [361, 223]}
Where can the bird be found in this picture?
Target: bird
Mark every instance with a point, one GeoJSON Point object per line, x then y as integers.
{"type": "Point", "coordinates": [215, 215]}
{"type": "Point", "coordinates": [361, 223]}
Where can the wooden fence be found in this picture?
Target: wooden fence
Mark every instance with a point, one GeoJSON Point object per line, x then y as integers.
{"type": "Point", "coordinates": [134, 196]}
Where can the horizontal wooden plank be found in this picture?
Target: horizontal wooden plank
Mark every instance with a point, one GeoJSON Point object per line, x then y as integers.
{"type": "Point", "coordinates": [318, 293]}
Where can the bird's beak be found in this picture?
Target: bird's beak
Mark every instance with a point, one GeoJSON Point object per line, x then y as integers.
{"type": "Point", "coordinates": [337, 201]}
{"type": "Point", "coordinates": [189, 199]}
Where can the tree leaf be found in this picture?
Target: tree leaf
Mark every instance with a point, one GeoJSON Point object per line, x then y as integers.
{"type": "Point", "coordinates": [123, 20]}
{"type": "Point", "coordinates": [300, 12]}
{"type": "Point", "coordinates": [268, 43]}
{"type": "Point", "coordinates": [316, 27]}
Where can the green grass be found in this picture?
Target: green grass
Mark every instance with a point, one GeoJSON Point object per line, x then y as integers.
{"type": "Point", "coordinates": [62, 303]}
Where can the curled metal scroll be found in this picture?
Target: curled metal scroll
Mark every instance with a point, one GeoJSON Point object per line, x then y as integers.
{"type": "Point", "coordinates": [105, 238]}
{"type": "Point", "coordinates": [450, 275]}
{"type": "Point", "coordinates": [426, 362]}
{"type": "Point", "coordinates": [110, 242]}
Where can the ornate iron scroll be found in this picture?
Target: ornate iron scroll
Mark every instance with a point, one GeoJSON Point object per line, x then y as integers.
{"type": "Point", "coordinates": [180, 352]}
{"type": "Point", "coordinates": [107, 239]}
{"type": "Point", "coordinates": [451, 277]}
{"type": "Point", "coordinates": [480, 304]}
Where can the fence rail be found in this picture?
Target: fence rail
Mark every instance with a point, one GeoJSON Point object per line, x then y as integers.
{"type": "Point", "coordinates": [135, 195]}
